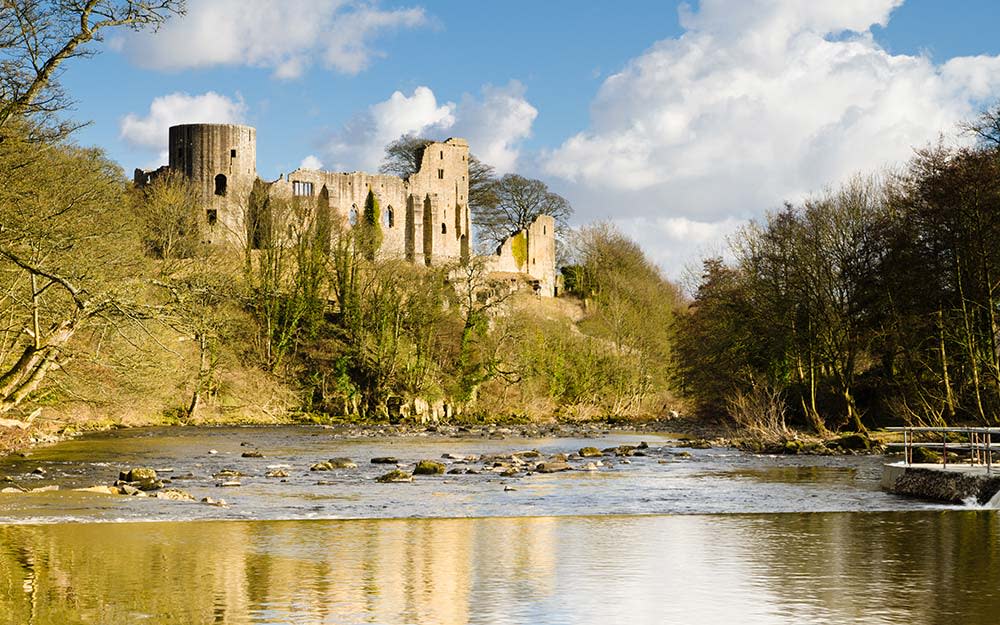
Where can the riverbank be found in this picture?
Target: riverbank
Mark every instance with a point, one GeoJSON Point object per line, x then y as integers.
{"type": "Point", "coordinates": [699, 432]}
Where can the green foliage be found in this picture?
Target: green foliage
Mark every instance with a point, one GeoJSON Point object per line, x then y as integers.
{"type": "Point", "coordinates": [519, 249]}
{"type": "Point", "coordinates": [370, 227]}
{"type": "Point", "coordinates": [875, 302]}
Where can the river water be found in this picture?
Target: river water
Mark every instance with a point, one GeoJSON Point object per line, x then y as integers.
{"type": "Point", "coordinates": [717, 537]}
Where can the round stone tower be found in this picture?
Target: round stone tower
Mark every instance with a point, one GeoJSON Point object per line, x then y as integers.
{"type": "Point", "coordinates": [221, 161]}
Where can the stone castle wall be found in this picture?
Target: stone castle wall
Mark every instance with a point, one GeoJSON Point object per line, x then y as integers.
{"type": "Point", "coordinates": [425, 217]}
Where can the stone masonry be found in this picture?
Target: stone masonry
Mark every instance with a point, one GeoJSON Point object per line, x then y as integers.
{"type": "Point", "coordinates": [425, 217]}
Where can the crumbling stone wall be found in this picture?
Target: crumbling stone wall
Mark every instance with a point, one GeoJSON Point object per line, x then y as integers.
{"type": "Point", "coordinates": [425, 217]}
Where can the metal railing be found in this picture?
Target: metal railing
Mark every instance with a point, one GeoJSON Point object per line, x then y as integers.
{"type": "Point", "coordinates": [977, 442]}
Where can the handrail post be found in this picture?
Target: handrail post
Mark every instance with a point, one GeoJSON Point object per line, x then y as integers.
{"type": "Point", "coordinates": [989, 452]}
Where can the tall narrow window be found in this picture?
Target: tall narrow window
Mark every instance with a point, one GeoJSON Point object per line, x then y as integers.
{"type": "Point", "coordinates": [390, 217]}
{"type": "Point", "coordinates": [442, 155]}
{"type": "Point", "coordinates": [441, 174]}
{"type": "Point", "coordinates": [353, 217]}
{"type": "Point", "coordinates": [220, 184]}
{"type": "Point", "coordinates": [444, 229]}
{"type": "Point", "coordinates": [302, 189]}
{"type": "Point", "coordinates": [213, 216]}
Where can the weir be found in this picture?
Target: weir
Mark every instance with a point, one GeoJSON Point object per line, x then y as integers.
{"type": "Point", "coordinates": [970, 473]}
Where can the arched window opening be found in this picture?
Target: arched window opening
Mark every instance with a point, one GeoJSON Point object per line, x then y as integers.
{"type": "Point", "coordinates": [390, 217]}
{"type": "Point", "coordinates": [353, 217]}
{"type": "Point", "coordinates": [444, 229]}
{"type": "Point", "coordinates": [220, 184]}
{"type": "Point", "coordinates": [545, 229]}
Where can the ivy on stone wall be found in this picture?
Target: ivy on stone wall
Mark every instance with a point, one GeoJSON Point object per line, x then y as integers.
{"type": "Point", "coordinates": [371, 226]}
{"type": "Point", "coordinates": [519, 248]}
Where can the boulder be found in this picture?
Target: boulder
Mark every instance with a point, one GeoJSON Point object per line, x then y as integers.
{"type": "Point", "coordinates": [385, 460]}
{"type": "Point", "coordinates": [590, 452]}
{"type": "Point", "coordinates": [138, 474]}
{"type": "Point", "coordinates": [321, 466]}
{"type": "Point", "coordinates": [552, 467]}
{"type": "Point", "coordinates": [174, 494]}
{"type": "Point", "coordinates": [922, 455]}
{"type": "Point", "coordinates": [394, 477]}
{"type": "Point", "coordinates": [852, 441]}
{"type": "Point", "coordinates": [276, 473]}
{"type": "Point", "coordinates": [252, 454]}
{"type": "Point", "coordinates": [220, 503]}
{"type": "Point", "coordinates": [342, 463]}
{"type": "Point", "coordinates": [428, 467]}
{"type": "Point", "coordinates": [148, 485]}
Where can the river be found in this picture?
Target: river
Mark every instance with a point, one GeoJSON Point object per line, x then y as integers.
{"type": "Point", "coordinates": [715, 537]}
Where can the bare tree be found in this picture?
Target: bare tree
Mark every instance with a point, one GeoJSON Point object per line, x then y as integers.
{"type": "Point", "coordinates": [516, 202]}
{"type": "Point", "coordinates": [403, 156]}
{"type": "Point", "coordinates": [68, 257]}
{"type": "Point", "coordinates": [38, 36]}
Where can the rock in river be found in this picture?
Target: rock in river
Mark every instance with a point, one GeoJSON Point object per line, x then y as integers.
{"type": "Point", "coordinates": [385, 460]}
{"type": "Point", "coordinates": [138, 474]}
{"type": "Point", "coordinates": [552, 467]}
{"type": "Point", "coordinates": [342, 463]}
{"type": "Point", "coordinates": [174, 494]}
{"type": "Point", "coordinates": [590, 452]}
{"type": "Point", "coordinates": [428, 467]}
{"type": "Point", "coordinates": [394, 477]}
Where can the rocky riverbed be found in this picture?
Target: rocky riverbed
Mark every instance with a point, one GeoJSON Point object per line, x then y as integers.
{"type": "Point", "coordinates": [293, 472]}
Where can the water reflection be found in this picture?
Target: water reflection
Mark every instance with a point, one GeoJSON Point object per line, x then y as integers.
{"type": "Point", "coordinates": [927, 567]}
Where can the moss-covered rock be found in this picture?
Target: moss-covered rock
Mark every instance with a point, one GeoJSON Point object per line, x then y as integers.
{"type": "Point", "coordinates": [922, 455]}
{"type": "Point", "coordinates": [138, 474]}
{"type": "Point", "coordinates": [394, 477]}
{"type": "Point", "coordinates": [590, 452]}
{"type": "Point", "coordinates": [428, 467]}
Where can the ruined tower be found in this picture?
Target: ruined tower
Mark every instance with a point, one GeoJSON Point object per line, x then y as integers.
{"type": "Point", "coordinates": [221, 161]}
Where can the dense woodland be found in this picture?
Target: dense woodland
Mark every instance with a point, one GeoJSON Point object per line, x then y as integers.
{"type": "Point", "coordinates": [872, 303]}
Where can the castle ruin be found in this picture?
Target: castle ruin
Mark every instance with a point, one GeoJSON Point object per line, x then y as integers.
{"type": "Point", "coordinates": [425, 216]}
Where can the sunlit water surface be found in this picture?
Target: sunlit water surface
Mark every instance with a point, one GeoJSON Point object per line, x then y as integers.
{"type": "Point", "coordinates": [804, 568]}
{"type": "Point", "coordinates": [720, 537]}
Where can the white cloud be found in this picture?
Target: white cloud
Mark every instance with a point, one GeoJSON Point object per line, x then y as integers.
{"type": "Point", "coordinates": [150, 132]}
{"type": "Point", "coordinates": [494, 124]}
{"type": "Point", "coordinates": [311, 162]}
{"type": "Point", "coordinates": [282, 35]}
{"type": "Point", "coordinates": [757, 102]}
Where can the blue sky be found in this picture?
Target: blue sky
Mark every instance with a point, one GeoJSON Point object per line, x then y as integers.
{"type": "Point", "coordinates": [677, 124]}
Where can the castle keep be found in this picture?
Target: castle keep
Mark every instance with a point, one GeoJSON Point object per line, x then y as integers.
{"type": "Point", "coordinates": [425, 216]}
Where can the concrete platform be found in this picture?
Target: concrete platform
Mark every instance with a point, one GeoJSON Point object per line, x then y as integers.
{"type": "Point", "coordinates": [956, 483]}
